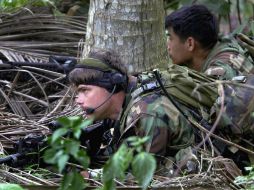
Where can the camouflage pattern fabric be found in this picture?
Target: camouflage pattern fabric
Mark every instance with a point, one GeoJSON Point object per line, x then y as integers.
{"type": "Point", "coordinates": [238, 110]}
{"type": "Point", "coordinates": [227, 60]}
{"type": "Point", "coordinates": [152, 114]}
{"type": "Point", "coordinates": [236, 124]}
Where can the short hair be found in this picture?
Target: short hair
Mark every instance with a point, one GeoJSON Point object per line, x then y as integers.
{"type": "Point", "coordinates": [194, 21]}
{"type": "Point", "coordinates": [108, 56]}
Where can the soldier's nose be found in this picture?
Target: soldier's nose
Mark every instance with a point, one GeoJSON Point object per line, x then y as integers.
{"type": "Point", "coordinates": [78, 100]}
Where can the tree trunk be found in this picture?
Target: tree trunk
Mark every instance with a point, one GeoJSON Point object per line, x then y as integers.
{"type": "Point", "coordinates": [133, 28]}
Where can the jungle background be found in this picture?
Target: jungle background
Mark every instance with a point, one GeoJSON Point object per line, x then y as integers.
{"type": "Point", "coordinates": [32, 97]}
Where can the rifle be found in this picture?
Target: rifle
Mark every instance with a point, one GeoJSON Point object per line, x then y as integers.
{"type": "Point", "coordinates": [61, 64]}
{"type": "Point", "coordinates": [23, 147]}
{"type": "Point", "coordinates": [91, 137]}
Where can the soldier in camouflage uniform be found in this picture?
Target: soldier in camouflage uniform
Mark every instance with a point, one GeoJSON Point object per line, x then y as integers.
{"type": "Point", "coordinates": [194, 42]}
{"type": "Point", "coordinates": [105, 91]}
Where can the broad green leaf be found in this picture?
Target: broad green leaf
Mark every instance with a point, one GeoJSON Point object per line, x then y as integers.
{"type": "Point", "coordinates": [57, 134]}
{"type": "Point", "coordinates": [61, 163]}
{"type": "Point", "coordinates": [77, 129]}
{"type": "Point", "coordinates": [10, 187]}
{"type": "Point", "coordinates": [66, 181]}
{"type": "Point", "coordinates": [71, 147]}
{"type": "Point", "coordinates": [73, 180]}
{"type": "Point", "coordinates": [137, 141]}
{"type": "Point", "coordinates": [83, 158]}
{"type": "Point", "coordinates": [69, 122]}
{"type": "Point", "coordinates": [117, 164]}
{"type": "Point", "coordinates": [73, 121]}
{"type": "Point", "coordinates": [132, 139]}
{"type": "Point", "coordinates": [109, 185]}
{"type": "Point", "coordinates": [51, 155]}
{"type": "Point", "coordinates": [78, 182]}
{"type": "Point", "coordinates": [64, 121]}
{"type": "Point", "coordinates": [85, 123]}
{"type": "Point", "coordinates": [108, 171]}
{"type": "Point", "coordinates": [76, 133]}
{"type": "Point", "coordinates": [143, 167]}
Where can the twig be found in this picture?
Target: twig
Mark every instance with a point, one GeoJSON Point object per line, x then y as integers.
{"type": "Point", "coordinates": [223, 140]}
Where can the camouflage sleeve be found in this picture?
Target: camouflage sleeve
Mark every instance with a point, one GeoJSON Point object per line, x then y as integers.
{"type": "Point", "coordinates": [155, 116]}
{"type": "Point", "coordinates": [227, 65]}
{"type": "Point", "coordinates": [221, 71]}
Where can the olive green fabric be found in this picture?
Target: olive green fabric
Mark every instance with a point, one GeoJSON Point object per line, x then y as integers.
{"type": "Point", "coordinates": [227, 60]}
{"type": "Point", "coordinates": [188, 86]}
{"type": "Point", "coordinates": [95, 64]}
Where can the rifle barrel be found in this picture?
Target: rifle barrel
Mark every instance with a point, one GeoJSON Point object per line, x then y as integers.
{"type": "Point", "coordinates": [10, 159]}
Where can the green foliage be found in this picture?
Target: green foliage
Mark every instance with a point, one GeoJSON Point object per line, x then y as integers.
{"type": "Point", "coordinates": [248, 180]}
{"type": "Point", "coordinates": [13, 3]}
{"type": "Point", "coordinates": [73, 180]}
{"type": "Point", "coordinates": [232, 12]}
{"type": "Point", "coordinates": [10, 187]}
{"type": "Point", "coordinates": [9, 5]}
{"type": "Point", "coordinates": [141, 164]}
{"type": "Point", "coordinates": [63, 149]}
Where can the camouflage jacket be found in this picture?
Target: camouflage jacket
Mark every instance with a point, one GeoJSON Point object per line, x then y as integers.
{"type": "Point", "coordinates": [152, 114]}
{"type": "Point", "coordinates": [227, 60]}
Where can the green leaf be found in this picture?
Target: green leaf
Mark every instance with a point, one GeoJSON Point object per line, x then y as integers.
{"type": "Point", "coordinates": [66, 181]}
{"type": "Point", "coordinates": [74, 121]}
{"type": "Point", "coordinates": [77, 129]}
{"type": "Point", "coordinates": [73, 180]}
{"type": "Point", "coordinates": [109, 185]}
{"type": "Point", "coordinates": [64, 121]}
{"type": "Point", "coordinates": [71, 147]}
{"type": "Point", "coordinates": [143, 167]}
{"type": "Point", "coordinates": [57, 134]}
{"type": "Point", "coordinates": [51, 155]}
{"type": "Point", "coordinates": [61, 163]}
{"type": "Point", "coordinates": [78, 182]}
{"type": "Point", "coordinates": [137, 141]}
{"type": "Point", "coordinates": [85, 123]}
{"type": "Point", "coordinates": [83, 158]}
{"type": "Point", "coordinates": [132, 139]}
{"type": "Point", "coordinates": [77, 133]}
{"type": "Point", "coordinates": [117, 164]}
{"type": "Point", "coordinates": [10, 187]}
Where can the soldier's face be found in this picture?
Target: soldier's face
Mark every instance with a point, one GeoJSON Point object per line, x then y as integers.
{"type": "Point", "coordinates": [177, 48]}
{"type": "Point", "coordinates": [90, 96]}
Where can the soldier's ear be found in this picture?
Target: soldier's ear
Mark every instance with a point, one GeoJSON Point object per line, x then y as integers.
{"type": "Point", "coordinates": [190, 43]}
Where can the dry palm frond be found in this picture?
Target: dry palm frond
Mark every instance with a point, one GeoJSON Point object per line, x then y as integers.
{"type": "Point", "coordinates": [8, 54]}
{"type": "Point", "coordinates": [33, 94]}
{"type": "Point", "coordinates": [13, 127]}
{"type": "Point", "coordinates": [201, 181]}
{"type": "Point", "coordinates": [36, 93]}
{"type": "Point", "coordinates": [29, 177]}
{"type": "Point", "coordinates": [42, 33]}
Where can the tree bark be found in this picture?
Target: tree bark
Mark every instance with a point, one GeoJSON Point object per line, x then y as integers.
{"type": "Point", "coordinates": [133, 28]}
